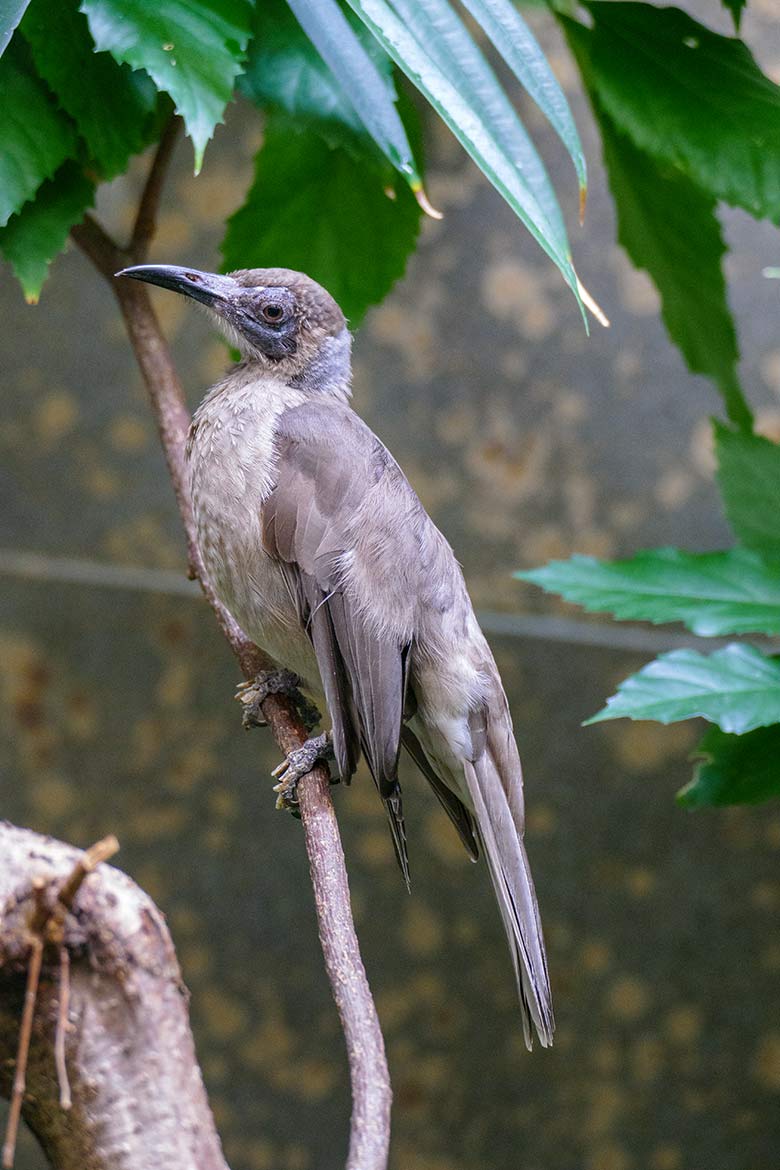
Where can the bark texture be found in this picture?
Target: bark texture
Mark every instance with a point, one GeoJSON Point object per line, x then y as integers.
{"type": "Point", "coordinates": [136, 1087]}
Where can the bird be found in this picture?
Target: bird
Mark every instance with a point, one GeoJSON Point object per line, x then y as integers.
{"type": "Point", "coordinates": [315, 541]}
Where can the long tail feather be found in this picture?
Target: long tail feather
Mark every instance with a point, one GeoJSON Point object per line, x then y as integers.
{"type": "Point", "coordinates": [501, 839]}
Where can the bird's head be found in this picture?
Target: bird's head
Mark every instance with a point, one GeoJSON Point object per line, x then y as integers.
{"type": "Point", "coordinates": [281, 319]}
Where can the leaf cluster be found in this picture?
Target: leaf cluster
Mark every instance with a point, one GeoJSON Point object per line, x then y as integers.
{"type": "Point", "coordinates": [737, 591]}
{"type": "Point", "coordinates": [337, 187]}
{"type": "Point", "coordinates": [688, 120]}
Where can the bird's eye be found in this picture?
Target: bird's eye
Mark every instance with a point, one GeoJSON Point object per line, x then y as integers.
{"type": "Point", "coordinates": [272, 313]}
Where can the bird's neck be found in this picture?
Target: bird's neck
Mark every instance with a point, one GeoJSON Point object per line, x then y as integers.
{"type": "Point", "coordinates": [327, 370]}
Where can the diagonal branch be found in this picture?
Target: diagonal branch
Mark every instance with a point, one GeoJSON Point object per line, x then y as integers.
{"type": "Point", "coordinates": [146, 218]}
{"type": "Point", "coordinates": [369, 1077]}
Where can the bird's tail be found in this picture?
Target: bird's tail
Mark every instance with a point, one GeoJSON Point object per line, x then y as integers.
{"type": "Point", "coordinates": [497, 800]}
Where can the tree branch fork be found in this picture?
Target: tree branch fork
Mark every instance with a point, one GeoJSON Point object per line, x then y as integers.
{"type": "Point", "coordinates": [369, 1077]}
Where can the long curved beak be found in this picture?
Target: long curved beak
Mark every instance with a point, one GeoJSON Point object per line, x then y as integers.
{"type": "Point", "coordinates": [207, 287]}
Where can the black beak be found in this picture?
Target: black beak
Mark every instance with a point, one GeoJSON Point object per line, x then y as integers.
{"type": "Point", "coordinates": [206, 287]}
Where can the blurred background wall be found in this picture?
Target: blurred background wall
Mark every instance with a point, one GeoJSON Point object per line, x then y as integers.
{"type": "Point", "coordinates": [526, 440]}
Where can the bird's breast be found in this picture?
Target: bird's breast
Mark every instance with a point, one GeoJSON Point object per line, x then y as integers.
{"type": "Point", "coordinates": [232, 470]}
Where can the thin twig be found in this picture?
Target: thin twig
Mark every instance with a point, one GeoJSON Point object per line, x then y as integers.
{"type": "Point", "coordinates": [90, 859]}
{"type": "Point", "coordinates": [23, 1051]}
{"type": "Point", "coordinates": [62, 1029]}
{"type": "Point", "coordinates": [106, 256]}
{"type": "Point", "coordinates": [369, 1077]}
{"type": "Point", "coordinates": [146, 219]}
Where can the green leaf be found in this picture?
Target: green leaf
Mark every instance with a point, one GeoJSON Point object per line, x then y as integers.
{"type": "Point", "coordinates": [691, 98]}
{"type": "Point", "coordinates": [734, 592]}
{"type": "Point", "coordinates": [112, 106]}
{"type": "Point", "coordinates": [369, 92]}
{"type": "Point", "coordinates": [36, 138]}
{"type": "Point", "coordinates": [668, 227]}
{"type": "Point", "coordinates": [193, 50]}
{"type": "Point", "coordinates": [356, 241]}
{"type": "Point", "coordinates": [453, 50]}
{"type": "Point", "coordinates": [31, 239]}
{"type": "Point", "coordinates": [477, 138]}
{"type": "Point", "coordinates": [737, 687]}
{"type": "Point", "coordinates": [736, 769]}
{"type": "Point", "coordinates": [284, 72]}
{"type": "Point", "coordinates": [513, 39]}
{"type": "Point", "coordinates": [749, 480]}
{"type": "Point", "coordinates": [11, 12]}
{"type": "Point", "coordinates": [735, 8]}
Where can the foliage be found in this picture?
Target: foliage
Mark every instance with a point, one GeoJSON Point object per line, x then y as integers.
{"type": "Point", "coordinates": [688, 120]}
{"type": "Point", "coordinates": [87, 85]}
{"type": "Point", "coordinates": [732, 592]}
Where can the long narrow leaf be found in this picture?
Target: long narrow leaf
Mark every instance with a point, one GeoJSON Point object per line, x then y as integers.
{"type": "Point", "coordinates": [449, 44]}
{"type": "Point", "coordinates": [476, 138]}
{"type": "Point", "coordinates": [337, 43]}
{"type": "Point", "coordinates": [513, 39]}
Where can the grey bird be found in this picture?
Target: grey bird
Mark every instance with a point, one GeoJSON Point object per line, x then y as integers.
{"type": "Point", "coordinates": [316, 542]}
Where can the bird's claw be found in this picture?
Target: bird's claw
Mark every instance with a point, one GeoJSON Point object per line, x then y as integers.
{"type": "Point", "coordinates": [253, 694]}
{"type": "Point", "coordinates": [296, 765]}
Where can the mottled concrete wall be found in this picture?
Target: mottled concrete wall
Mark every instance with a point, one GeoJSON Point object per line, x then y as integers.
{"type": "Point", "coordinates": [525, 440]}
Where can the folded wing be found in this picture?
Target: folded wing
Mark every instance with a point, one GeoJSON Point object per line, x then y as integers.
{"type": "Point", "coordinates": [328, 463]}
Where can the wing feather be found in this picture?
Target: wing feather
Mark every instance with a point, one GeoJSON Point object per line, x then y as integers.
{"type": "Point", "coordinates": [306, 525]}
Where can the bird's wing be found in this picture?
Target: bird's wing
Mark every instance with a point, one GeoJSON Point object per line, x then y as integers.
{"type": "Point", "coordinates": [328, 463]}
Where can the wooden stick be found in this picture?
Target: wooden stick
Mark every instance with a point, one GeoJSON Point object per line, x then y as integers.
{"type": "Point", "coordinates": [23, 1051]}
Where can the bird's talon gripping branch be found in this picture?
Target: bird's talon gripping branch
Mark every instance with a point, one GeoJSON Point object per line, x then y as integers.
{"type": "Point", "coordinates": [297, 764]}
{"type": "Point", "coordinates": [253, 694]}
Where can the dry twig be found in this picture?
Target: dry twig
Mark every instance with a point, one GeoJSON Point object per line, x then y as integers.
{"type": "Point", "coordinates": [23, 1051]}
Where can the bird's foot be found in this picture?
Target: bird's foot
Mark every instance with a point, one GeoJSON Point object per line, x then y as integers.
{"type": "Point", "coordinates": [297, 764]}
{"type": "Point", "coordinates": [253, 694]}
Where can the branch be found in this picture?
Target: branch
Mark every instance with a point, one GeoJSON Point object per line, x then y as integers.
{"type": "Point", "coordinates": [369, 1077]}
{"type": "Point", "coordinates": [136, 1094]}
{"type": "Point", "coordinates": [146, 218]}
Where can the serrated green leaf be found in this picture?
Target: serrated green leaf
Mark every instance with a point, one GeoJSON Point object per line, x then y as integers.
{"type": "Point", "coordinates": [31, 239]}
{"type": "Point", "coordinates": [11, 13]}
{"type": "Point", "coordinates": [736, 687]}
{"type": "Point", "coordinates": [668, 227]}
{"type": "Point", "coordinates": [112, 105]}
{"type": "Point", "coordinates": [749, 480]}
{"type": "Point", "coordinates": [369, 92]}
{"type": "Point", "coordinates": [193, 49]}
{"type": "Point", "coordinates": [35, 138]}
{"type": "Point", "coordinates": [513, 39]}
{"type": "Point", "coordinates": [736, 769]}
{"type": "Point", "coordinates": [470, 130]}
{"type": "Point", "coordinates": [357, 240]}
{"type": "Point", "coordinates": [690, 98]}
{"type": "Point", "coordinates": [454, 51]}
{"type": "Point", "coordinates": [733, 592]}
